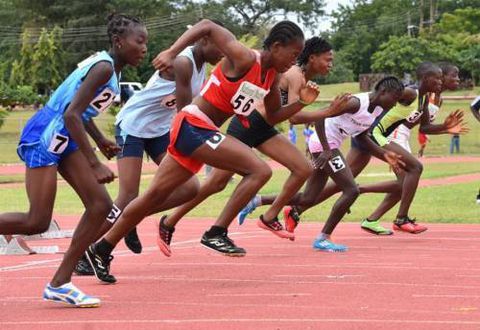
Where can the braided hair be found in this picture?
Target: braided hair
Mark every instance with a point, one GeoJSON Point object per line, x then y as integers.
{"type": "Point", "coordinates": [119, 24]}
{"type": "Point", "coordinates": [315, 45]}
{"type": "Point", "coordinates": [283, 32]}
{"type": "Point", "coordinates": [390, 84]}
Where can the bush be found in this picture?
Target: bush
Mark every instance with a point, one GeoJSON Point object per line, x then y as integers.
{"type": "Point", "coordinates": [24, 95]}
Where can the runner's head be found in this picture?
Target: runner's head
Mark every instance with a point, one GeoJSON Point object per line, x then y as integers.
{"type": "Point", "coordinates": [429, 77]}
{"type": "Point", "coordinates": [389, 91]}
{"type": "Point", "coordinates": [210, 52]}
{"type": "Point", "coordinates": [128, 38]}
{"type": "Point", "coordinates": [450, 80]}
{"type": "Point", "coordinates": [284, 42]}
{"type": "Point", "coordinates": [318, 55]}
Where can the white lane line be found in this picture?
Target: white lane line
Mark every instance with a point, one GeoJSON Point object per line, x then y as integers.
{"type": "Point", "coordinates": [243, 320]}
{"type": "Point", "coordinates": [337, 276]}
{"type": "Point", "coordinates": [258, 294]}
{"type": "Point", "coordinates": [445, 296]}
{"type": "Point", "coordinates": [121, 253]}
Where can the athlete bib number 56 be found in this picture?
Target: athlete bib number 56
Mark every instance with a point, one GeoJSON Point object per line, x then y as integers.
{"type": "Point", "coordinates": [244, 99]}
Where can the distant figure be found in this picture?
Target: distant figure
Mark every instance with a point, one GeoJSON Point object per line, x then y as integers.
{"type": "Point", "coordinates": [455, 143]}
{"type": "Point", "coordinates": [292, 134]}
{"type": "Point", "coordinates": [307, 132]}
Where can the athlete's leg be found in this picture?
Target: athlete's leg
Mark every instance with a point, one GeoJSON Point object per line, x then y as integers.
{"type": "Point", "coordinates": [283, 151]}
{"type": "Point", "coordinates": [215, 182]}
{"type": "Point", "coordinates": [77, 172]}
{"type": "Point", "coordinates": [390, 200]}
{"type": "Point", "coordinates": [413, 171]}
{"type": "Point", "coordinates": [41, 186]}
{"type": "Point", "coordinates": [230, 155]}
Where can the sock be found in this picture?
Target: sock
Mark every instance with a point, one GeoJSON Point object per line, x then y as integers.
{"type": "Point", "coordinates": [323, 236]}
{"type": "Point", "coordinates": [104, 248]}
{"type": "Point", "coordinates": [258, 200]}
{"type": "Point", "coordinates": [215, 231]}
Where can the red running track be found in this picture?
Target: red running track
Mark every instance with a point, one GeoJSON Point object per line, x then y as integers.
{"type": "Point", "coordinates": [428, 281]}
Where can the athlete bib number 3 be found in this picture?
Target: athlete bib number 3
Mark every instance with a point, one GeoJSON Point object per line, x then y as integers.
{"type": "Point", "coordinates": [336, 164]}
{"type": "Point", "coordinates": [244, 99]}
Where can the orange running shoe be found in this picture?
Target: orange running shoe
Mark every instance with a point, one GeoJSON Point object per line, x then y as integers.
{"type": "Point", "coordinates": [291, 219]}
{"type": "Point", "coordinates": [408, 225]}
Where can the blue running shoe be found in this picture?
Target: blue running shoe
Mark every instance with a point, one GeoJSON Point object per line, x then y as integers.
{"type": "Point", "coordinates": [71, 295]}
{"type": "Point", "coordinates": [251, 206]}
{"type": "Point", "coordinates": [323, 244]}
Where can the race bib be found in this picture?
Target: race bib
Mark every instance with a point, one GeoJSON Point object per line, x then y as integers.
{"type": "Point", "coordinates": [58, 144]}
{"type": "Point", "coordinates": [336, 164]}
{"type": "Point", "coordinates": [215, 140]}
{"type": "Point", "coordinates": [245, 98]}
{"type": "Point", "coordinates": [169, 101]}
{"type": "Point", "coordinates": [103, 100]}
{"type": "Point", "coordinates": [414, 116]}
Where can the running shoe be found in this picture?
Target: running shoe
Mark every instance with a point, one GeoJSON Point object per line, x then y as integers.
{"type": "Point", "coordinates": [408, 225]}
{"type": "Point", "coordinates": [69, 294]}
{"type": "Point", "coordinates": [275, 227]}
{"type": "Point", "coordinates": [164, 237]}
{"type": "Point", "coordinates": [100, 265]}
{"type": "Point", "coordinates": [249, 208]}
{"type": "Point", "coordinates": [291, 219]}
{"type": "Point", "coordinates": [478, 198]}
{"type": "Point", "coordinates": [325, 245]}
{"type": "Point", "coordinates": [374, 227]}
{"type": "Point", "coordinates": [133, 242]}
{"type": "Point", "coordinates": [83, 268]}
{"type": "Point", "coordinates": [223, 245]}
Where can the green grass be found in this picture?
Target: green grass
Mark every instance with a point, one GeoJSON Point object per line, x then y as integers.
{"type": "Point", "coordinates": [452, 203]}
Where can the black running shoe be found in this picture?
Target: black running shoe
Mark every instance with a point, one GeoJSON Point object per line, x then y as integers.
{"type": "Point", "coordinates": [133, 242]}
{"type": "Point", "coordinates": [83, 267]}
{"type": "Point", "coordinates": [100, 265]}
{"type": "Point", "coordinates": [164, 237]}
{"type": "Point", "coordinates": [223, 244]}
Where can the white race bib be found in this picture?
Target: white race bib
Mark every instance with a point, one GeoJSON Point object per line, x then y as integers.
{"type": "Point", "coordinates": [336, 164]}
{"type": "Point", "coordinates": [103, 100]}
{"type": "Point", "coordinates": [169, 101]}
{"type": "Point", "coordinates": [58, 144]}
{"type": "Point", "coordinates": [215, 140]}
{"type": "Point", "coordinates": [414, 116]}
{"type": "Point", "coordinates": [246, 97]}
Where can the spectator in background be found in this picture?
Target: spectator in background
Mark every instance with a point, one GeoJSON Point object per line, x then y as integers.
{"type": "Point", "coordinates": [307, 132]}
{"type": "Point", "coordinates": [455, 143]}
{"type": "Point", "coordinates": [292, 134]}
{"type": "Point", "coordinates": [422, 141]}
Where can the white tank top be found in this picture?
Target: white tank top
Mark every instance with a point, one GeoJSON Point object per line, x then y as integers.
{"type": "Point", "coordinates": [149, 112]}
{"type": "Point", "coordinates": [339, 128]}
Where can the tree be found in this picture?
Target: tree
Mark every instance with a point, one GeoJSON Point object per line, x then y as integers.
{"type": "Point", "coordinates": [21, 71]}
{"type": "Point", "coordinates": [45, 64]}
{"type": "Point", "coordinates": [402, 54]}
{"type": "Point", "coordinates": [470, 60]}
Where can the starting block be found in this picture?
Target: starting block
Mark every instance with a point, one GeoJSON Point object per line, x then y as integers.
{"type": "Point", "coordinates": [17, 246]}
{"type": "Point", "coordinates": [52, 232]}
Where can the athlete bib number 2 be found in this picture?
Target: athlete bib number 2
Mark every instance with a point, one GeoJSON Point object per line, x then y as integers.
{"type": "Point", "coordinates": [103, 100]}
{"type": "Point", "coordinates": [245, 98]}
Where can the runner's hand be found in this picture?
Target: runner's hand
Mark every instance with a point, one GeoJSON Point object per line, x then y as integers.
{"type": "Point", "coordinates": [395, 161]}
{"type": "Point", "coordinates": [309, 93]}
{"type": "Point", "coordinates": [108, 148]}
{"type": "Point", "coordinates": [102, 173]}
{"type": "Point", "coordinates": [322, 159]}
{"type": "Point", "coordinates": [338, 104]}
{"type": "Point", "coordinates": [163, 61]}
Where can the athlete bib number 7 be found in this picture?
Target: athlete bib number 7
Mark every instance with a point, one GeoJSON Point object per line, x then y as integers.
{"type": "Point", "coordinates": [58, 144]}
{"type": "Point", "coordinates": [245, 98]}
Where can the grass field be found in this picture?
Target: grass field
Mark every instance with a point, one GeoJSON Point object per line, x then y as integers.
{"type": "Point", "coordinates": [452, 203]}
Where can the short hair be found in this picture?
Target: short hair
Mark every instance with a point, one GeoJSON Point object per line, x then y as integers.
{"type": "Point", "coordinates": [390, 84]}
{"type": "Point", "coordinates": [118, 24]}
{"type": "Point", "coordinates": [315, 45]}
{"type": "Point", "coordinates": [447, 67]}
{"type": "Point", "coordinates": [426, 69]}
{"type": "Point", "coordinates": [283, 32]}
